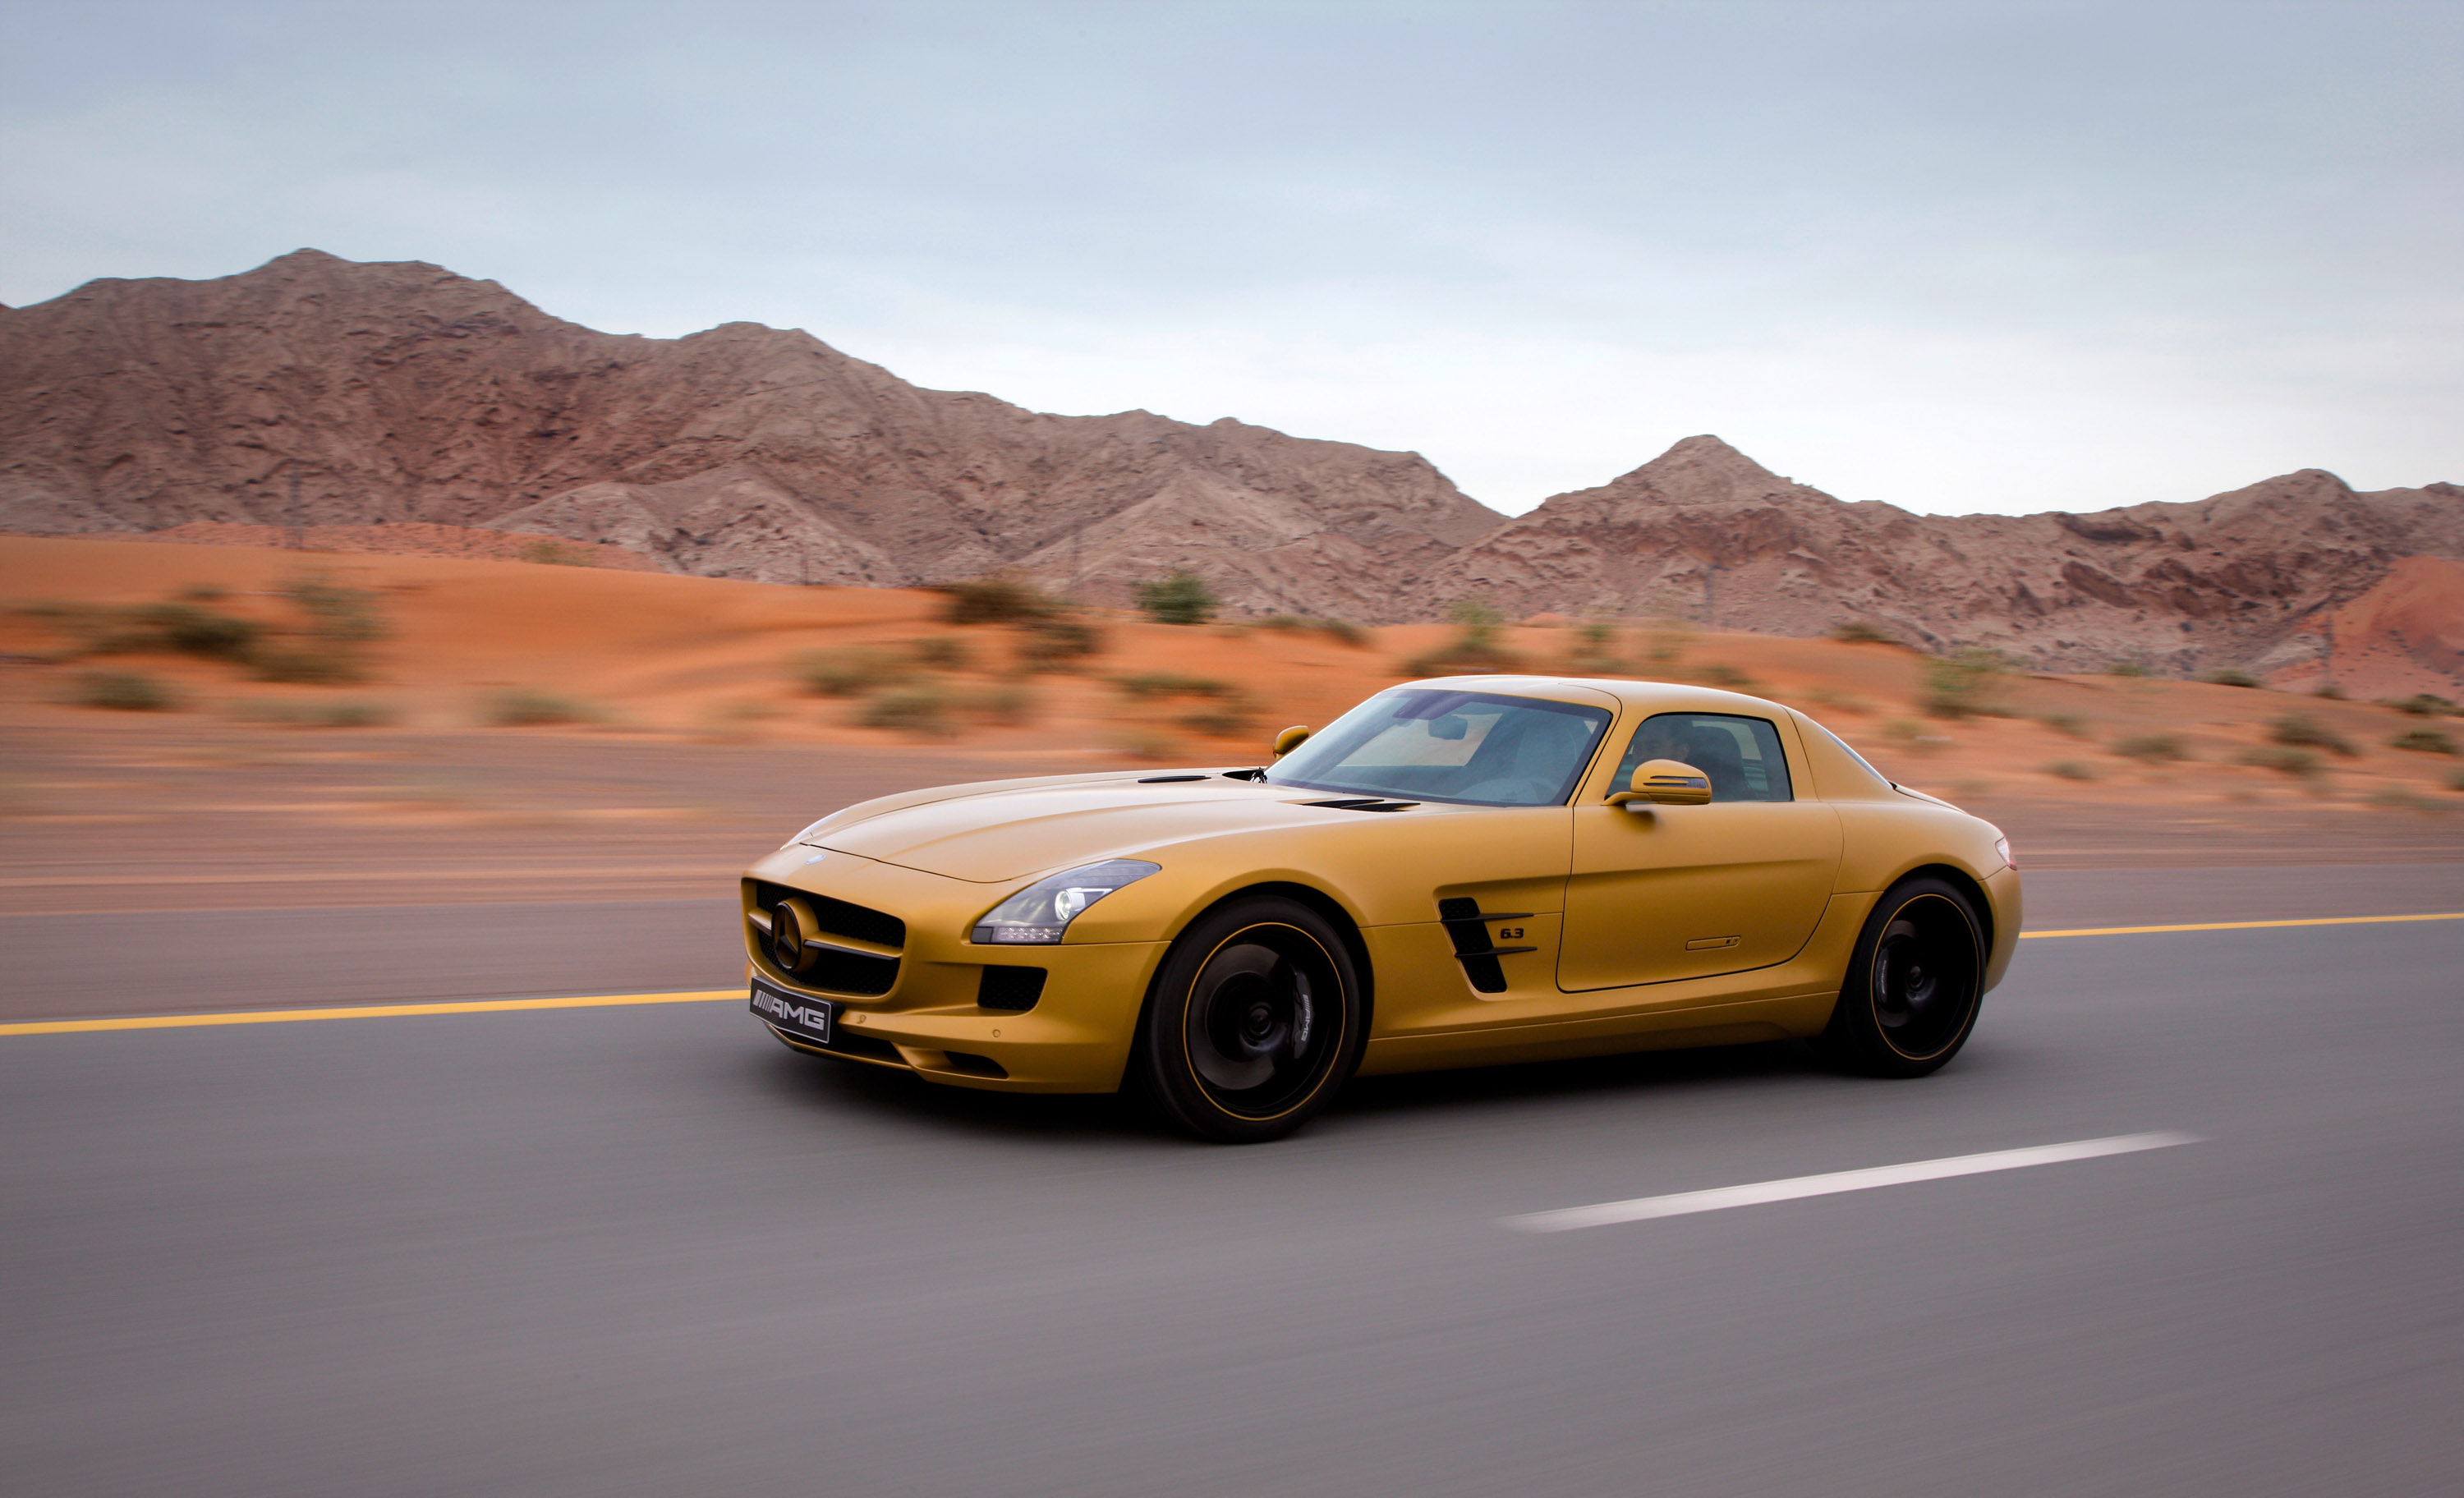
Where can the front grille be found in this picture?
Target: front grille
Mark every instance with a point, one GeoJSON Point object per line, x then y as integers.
{"type": "Point", "coordinates": [826, 969]}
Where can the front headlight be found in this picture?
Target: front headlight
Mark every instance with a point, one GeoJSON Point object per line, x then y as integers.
{"type": "Point", "coordinates": [1038, 914]}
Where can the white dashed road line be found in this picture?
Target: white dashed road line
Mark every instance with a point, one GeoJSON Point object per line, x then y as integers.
{"type": "Point", "coordinates": [1641, 1208]}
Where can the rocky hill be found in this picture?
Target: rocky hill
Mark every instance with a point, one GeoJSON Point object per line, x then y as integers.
{"type": "Point", "coordinates": [316, 390]}
{"type": "Point", "coordinates": [2249, 579]}
{"type": "Point", "coordinates": [323, 393]}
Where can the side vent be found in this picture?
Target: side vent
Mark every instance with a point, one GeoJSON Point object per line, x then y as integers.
{"type": "Point", "coordinates": [1468, 925]}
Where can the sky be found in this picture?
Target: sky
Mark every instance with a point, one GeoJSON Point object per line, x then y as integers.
{"type": "Point", "coordinates": [1979, 257]}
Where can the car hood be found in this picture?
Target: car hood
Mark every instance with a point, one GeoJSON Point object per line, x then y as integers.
{"type": "Point", "coordinates": [999, 835]}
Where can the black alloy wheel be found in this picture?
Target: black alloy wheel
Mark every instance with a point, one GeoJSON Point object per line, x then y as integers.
{"type": "Point", "coordinates": [1913, 985]}
{"type": "Point", "coordinates": [1254, 1019]}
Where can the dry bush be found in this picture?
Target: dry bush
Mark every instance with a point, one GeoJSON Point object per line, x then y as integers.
{"type": "Point", "coordinates": [1168, 684]}
{"type": "Point", "coordinates": [1863, 631]}
{"type": "Point", "coordinates": [557, 554]}
{"type": "Point", "coordinates": [1055, 644]}
{"type": "Point", "coordinates": [1836, 700]}
{"type": "Point", "coordinates": [1719, 674]}
{"type": "Point", "coordinates": [1474, 651]}
{"type": "Point", "coordinates": [1967, 683]}
{"type": "Point", "coordinates": [846, 671]}
{"type": "Point", "coordinates": [2426, 704]}
{"type": "Point", "coordinates": [2286, 761]}
{"type": "Point", "coordinates": [2070, 725]}
{"type": "Point", "coordinates": [1144, 743]}
{"type": "Point", "coordinates": [123, 691]}
{"type": "Point", "coordinates": [996, 598]}
{"type": "Point", "coordinates": [2125, 668]}
{"type": "Point", "coordinates": [344, 714]}
{"type": "Point", "coordinates": [2071, 770]}
{"type": "Point", "coordinates": [2229, 676]}
{"type": "Point", "coordinates": [942, 652]}
{"type": "Point", "coordinates": [2423, 740]}
{"type": "Point", "coordinates": [1180, 597]}
{"type": "Point", "coordinates": [1001, 704]}
{"type": "Point", "coordinates": [2151, 748]}
{"type": "Point", "coordinates": [1229, 718]}
{"type": "Point", "coordinates": [2301, 731]}
{"type": "Point", "coordinates": [1343, 632]}
{"type": "Point", "coordinates": [922, 710]}
{"type": "Point", "coordinates": [529, 707]}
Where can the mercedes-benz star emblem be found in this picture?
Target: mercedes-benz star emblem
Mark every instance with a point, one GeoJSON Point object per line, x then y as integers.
{"type": "Point", "coordinates": [787, 938]}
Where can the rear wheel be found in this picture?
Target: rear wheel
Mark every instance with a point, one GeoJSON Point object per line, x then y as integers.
{"type": "Point", "coordinates": [1913, 983]}
{"type": "Point", "coordinates": [1254, 1019]}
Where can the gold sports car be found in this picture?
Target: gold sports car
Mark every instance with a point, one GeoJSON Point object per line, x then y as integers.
{"type": "Point", "coordinates": [1456, 873]}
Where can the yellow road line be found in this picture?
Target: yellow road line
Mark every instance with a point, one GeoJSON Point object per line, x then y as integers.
{"type": "Point", "coordinates": [374, 1011]}
{"type": "Point", "coordinates": [2242, 925]}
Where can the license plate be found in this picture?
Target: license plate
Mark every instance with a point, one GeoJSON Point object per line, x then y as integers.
{"type": "Point", "coordinates": [809, 1017]}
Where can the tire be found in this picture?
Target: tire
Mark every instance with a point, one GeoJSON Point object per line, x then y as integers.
{"type": "Point", "coordinates": [1254, 1019]}
{"type": "Point", "coordinates": [1914, 983]}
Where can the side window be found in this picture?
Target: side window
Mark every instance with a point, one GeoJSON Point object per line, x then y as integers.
{"type": "Point", "coordinates": [1740, 755]}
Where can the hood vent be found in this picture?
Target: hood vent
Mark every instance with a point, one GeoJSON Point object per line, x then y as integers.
{"type": "Point", "coordinates": [1364, 803]}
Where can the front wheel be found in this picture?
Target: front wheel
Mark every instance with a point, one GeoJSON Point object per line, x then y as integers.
{"type": "Point", "coordinates": [1913, 983]}
{"type": "Point", "coordinates": [1254, 1019]}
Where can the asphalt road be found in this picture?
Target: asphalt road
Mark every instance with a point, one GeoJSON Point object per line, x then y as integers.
{"type": "Point", "coordinates": [647, 1251]}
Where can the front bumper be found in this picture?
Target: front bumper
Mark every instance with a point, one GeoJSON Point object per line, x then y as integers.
{"type": "Point", "coordinates": [1075, 1039]}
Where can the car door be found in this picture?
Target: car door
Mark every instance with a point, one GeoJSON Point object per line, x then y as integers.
{"type": "Point", "coordinates": [1658, 893]}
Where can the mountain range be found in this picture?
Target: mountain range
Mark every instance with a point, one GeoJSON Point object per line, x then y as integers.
{"type": "Point", "coordinates": [317, 390]}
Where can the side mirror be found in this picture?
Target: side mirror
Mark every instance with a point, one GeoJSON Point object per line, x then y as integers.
{"type": "Point", "coordinates": [1291, 739]}
{"type": "Point", "coordinates": [1665, 783]}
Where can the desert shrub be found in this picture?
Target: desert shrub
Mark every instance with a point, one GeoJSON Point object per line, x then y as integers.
{"type": "Point", "coordinates": [920, 709]}
{"type": "Point", "coordinates": [310, 663]}
{"type": "Point", "coordinates": [846, 671]}
{"type": "Point", "coordinates": [996, 598]}
{"type": "Point", "coordinates": [2302, 730]}
{"type": "Point", "coordinates": [2229, 676]}
{"type": "Point", "coordinates": [1836, 700]}
{"type": "Point", "coordinates": [121, 690]}
{"type": "Point", "coordinates": [345, 714]}
{"type": "Point", "coordinates": [1720, 674]}
{"type": "Point", "coordinates": [2071, 770]}
{"type": "Point", "coordinates": [1178, 598]}
{"type": "Point", "coordinates": [2427, 704]}
{"type": "Point", "coordinates": [1169, 684]}
{"type": "Point", "coordinates": [192, 628]}
{"type": "Point", "coordinates": [1863, 631]}
{"type": "Point", "coordinates": [943, 651]}
{"type": "Point", "coordinates": [1593, 652]}
{"type": "Point", "coordinates": [2070, 725]}
{"type": "Point", "coordinates": [2125, 668]}
{"type": "Point", "coordinates": [2281, 758]}
{"type": "Point", "coordinates": [1010, 703]}
{"type": "Point", "coordinates": [1967, 683]}
{"type": "Point", "coordinates": [1473, 650]}
{"type": "Point", "coordinates": [1052, 644]}
{"type": "Point", "coordinates": [1228, 717]}
{"type": "Point", "coordinates": [2424, 741]}
{"type": "Point", "coordinates": [344, 615]}
{"type": "Point", "coordinates": [2455, 781]}
{"type": "Point", "coordinates": [2328, 690]}
{"type": "Point", "coordinates": [529, 707]}
{"type": "Point", "coordinates": [1343, 632]}
{"type": "Point", "coordinates": [2151, 748]}
{"type": "Point", "coordinates": [557, 554]}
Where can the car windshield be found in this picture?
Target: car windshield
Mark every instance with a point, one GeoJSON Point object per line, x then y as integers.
{"type": "Point", "coordinates": [1436, 745]}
